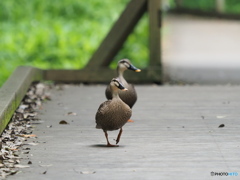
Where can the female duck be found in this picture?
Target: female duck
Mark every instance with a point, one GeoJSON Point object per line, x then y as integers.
{"type": "Point", "coordinates": [114, 113]}
{"type": "Point", "coordinates": [130, 96]}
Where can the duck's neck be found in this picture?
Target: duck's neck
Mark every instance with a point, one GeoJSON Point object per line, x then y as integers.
{"type": "Point", "coordinates": [120, 75]}
{"type": "Point", "coordinates": [115, 94]}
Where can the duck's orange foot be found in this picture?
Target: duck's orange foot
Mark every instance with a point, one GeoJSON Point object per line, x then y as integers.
{"type": "Point", "coordinates": [130, 120]}
{"type": "Point", "coordinates": [111, 145]}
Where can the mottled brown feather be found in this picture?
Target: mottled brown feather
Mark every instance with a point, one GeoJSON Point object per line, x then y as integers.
{"type": "Point", "coordinates": [112, 115]}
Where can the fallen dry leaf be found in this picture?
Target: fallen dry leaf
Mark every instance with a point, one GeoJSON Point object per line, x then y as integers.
{"type": "Point", "coordinates": [32, 144]}
{"type": "Point", "coordinates": [221, 117]}
{"type": "Point", "coordinates": [13, 149]}
{"type": "Point", "coordinates": [29, 135]}
{"type": "Point", "coordinates": [88, 172]}
{"type": "Point", "coordinates": [27, 115]}
{"type": "Point", "coordinates": [63, 122]}
{"type": "Point", "coordinates": [21, 166]}
{"type": "Point", "coordinates": [72, 113]}
{"type": "Point", "coordinates": [221, 126]}
{"type": "Point", "coordinates": [46, 165]}
{"type": "Point", "coordinates": [40, 89]}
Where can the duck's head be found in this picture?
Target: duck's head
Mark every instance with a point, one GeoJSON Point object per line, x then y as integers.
{"type": "Point", "coordinates": [115, 83]}
{"type": "Point", "coordinates": [125, 64]}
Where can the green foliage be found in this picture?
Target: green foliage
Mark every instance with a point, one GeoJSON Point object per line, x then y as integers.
{"type": "Point", "coordinates": [65, 34]}
{"type": "Point", "coordinates": [61, 34]}
{"type": "Point", "coordinates": [207, 5]}
{"type": "Point", "coordinates": [136, 46]}
{"type": "Point", "coordinates": [231, 6]}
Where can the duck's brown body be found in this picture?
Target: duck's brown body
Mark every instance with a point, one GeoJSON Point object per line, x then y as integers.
{"type": "Point", "coordinates": [113, 114]}
{"type": "Point", "coordinates": [130, 96]}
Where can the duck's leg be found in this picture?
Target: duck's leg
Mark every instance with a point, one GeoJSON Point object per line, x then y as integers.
{"type": "Point", "coordinates": [130, 120]}
{"type": "Point", "coordinates": [108, 143]}
{"type": "Point", "coordinates": [119, 136]}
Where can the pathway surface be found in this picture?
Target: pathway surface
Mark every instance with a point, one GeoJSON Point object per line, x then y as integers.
{"type": "Point", "coordinates": [175, 135]}
{"type": "Point", "coordinates": [201, 50]}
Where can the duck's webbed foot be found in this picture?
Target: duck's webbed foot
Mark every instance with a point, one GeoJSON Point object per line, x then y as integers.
{"type": "Point", "coordinates": [108, 143]}
{"type": "Point", "coordinates": [112, 145]}
{"type": "Point", "coordinates": [130, 120]}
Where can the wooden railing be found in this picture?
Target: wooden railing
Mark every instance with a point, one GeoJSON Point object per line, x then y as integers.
{"type": "Point", "coordinates": [97, 69]}
{"type": "Point", "coordinates": [13, 91]}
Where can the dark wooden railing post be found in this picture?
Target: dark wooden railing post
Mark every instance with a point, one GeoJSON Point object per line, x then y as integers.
{"type": "Point", "coordinates": [97, 70]}
{"type": "Point", "coordinates": [154, 13]}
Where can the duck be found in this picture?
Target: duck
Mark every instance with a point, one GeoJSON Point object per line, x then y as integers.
{"type": "Point", "coordinates": [130, 96]}
{"type": "Point", "coordinates": [113, 114]}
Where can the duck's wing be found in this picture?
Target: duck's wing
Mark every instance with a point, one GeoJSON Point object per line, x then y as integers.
{"type": "Point", "coordinates": [100, 115]}
{"type": "Point", "coordinates": [103, 108]}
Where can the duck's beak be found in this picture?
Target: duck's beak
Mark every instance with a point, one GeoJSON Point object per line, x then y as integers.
{"type": "Point", "coordinates": [121, 87]}
{"type": "Point", "coordinates": [132, 67]}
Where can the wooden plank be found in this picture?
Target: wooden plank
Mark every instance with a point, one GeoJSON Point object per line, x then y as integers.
{"type": "Point", "coordinates": [102, 75]}
{"type": "Point", "coordinates": [118, 34]}
{"type": "Point", "coordinates": [154, 11]}
{"type": "Point", "coordinates": [85, 75]}
{"type": "Point", "coordinates": [13, 91]}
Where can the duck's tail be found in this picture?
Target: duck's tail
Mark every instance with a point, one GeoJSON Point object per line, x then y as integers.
{"type": "Point", "coordinates": [98, 126]}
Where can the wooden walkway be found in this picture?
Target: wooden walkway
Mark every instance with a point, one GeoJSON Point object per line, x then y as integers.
{"type": "Point", "coordinates": [175, 135]}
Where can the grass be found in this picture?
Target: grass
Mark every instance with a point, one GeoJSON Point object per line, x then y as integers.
{"type": "Point", "coordinates": [62, 34]}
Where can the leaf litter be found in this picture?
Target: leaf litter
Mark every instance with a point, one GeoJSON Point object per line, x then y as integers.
{"type": "Point", "coordinates": [72, 113]}
{"type": "Point", "coordinates": [63, 122]}
{"type": "Point", "coordinates": [221, 126]}
{"type": "Point", "coordinates": [20, 129]}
